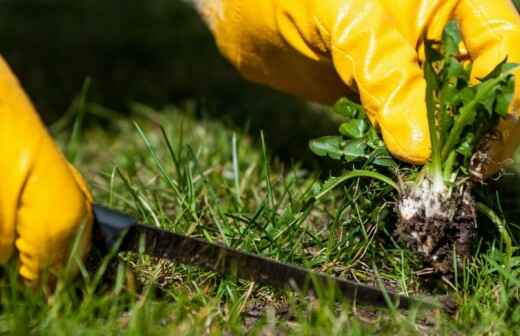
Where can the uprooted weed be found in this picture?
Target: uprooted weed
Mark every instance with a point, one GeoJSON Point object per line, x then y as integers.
{"type": "Point", "coordinates": [435, 204]}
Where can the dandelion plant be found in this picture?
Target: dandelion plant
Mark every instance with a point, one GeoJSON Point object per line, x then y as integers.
{"type": "Point", "coordinates": [436, 211]}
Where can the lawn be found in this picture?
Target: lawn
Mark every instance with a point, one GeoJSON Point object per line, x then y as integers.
{"type": "Point", "coordinates": [206, 178]}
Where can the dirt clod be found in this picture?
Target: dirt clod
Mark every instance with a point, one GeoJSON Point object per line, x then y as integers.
{"type": "Point", "coordinates": [440, 234]}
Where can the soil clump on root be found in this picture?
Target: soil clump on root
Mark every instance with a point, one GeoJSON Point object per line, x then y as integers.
{"type": "Point", "coordinates": [437, 224]}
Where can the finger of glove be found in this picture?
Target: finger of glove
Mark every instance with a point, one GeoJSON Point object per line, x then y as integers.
{"type": "Point", "coordinates": [417, 19]}
{"type": "Point", "coordinates": [41, 205]}
{"type": "Point", "coordinates": [52, 210]}
{"type": "Point", "coordinates": [82, 184]}
{"type": "Point", "coordinates": [491, 32]}
{"type": "Point", "coordinates": [279, 43]}
{"type": "Point", "coordinates": [414, 18]}
{"type": "Point", "coordinates": [384, 65]}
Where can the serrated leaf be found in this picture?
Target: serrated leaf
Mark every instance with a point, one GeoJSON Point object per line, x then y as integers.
{"type": "Point", "coordinates": [502, 69]}
{"type": "Point", "coordinates": [488, 100]}
{"type": "Point", "coordinates": [451, 38]}
{"type": "Point", "coordinates": [347, 108]}
{"type": "Point", "coordinates": [495, 94]}
{"type": "Point", "coordinates": [454, 71]}
{"type": "Point", "coordinates": [354, 129]}
{"type": "Point", "coordinates": [465, 95]}
{"type": "Point", "coordinates": [485, 98]}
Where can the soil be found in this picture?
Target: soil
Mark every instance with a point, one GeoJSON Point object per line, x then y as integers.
{"type": "Point", "coordinates": [440, 235]}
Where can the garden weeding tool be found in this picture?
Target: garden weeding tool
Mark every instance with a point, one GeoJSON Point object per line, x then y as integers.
{"type": "Point", "coordinates": [115, 227]}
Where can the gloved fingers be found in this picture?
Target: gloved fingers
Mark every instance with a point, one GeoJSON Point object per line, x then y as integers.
{"type": "Point", "coordinates": [19, 141]}
{"type": "Point", "coordinates": [82, 184]}
{"type": "Point", "coordinates": [52, 210]}
{"type": "Point", "coordinates": [42, 205]}
{"type": "Point", "coordinates": [384, 65]}
{"type": "Point", "coordinates": [415, 18]}
{"type": "Point", "coordinates": [491, 32]}
{"type": "Point", "coordinates": [404, 126]}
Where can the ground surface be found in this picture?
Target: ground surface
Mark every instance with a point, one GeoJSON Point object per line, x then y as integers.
{"type": "Point", "coordinates": [224, 186]}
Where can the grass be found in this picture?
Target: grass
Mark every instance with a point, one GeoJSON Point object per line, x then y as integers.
{"type": "Point", "coordinates": [207, 179]}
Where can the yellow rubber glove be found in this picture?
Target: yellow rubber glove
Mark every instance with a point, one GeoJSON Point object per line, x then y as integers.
{"type": "Point", "coordinates": [43, 200]}
{"type": "Point", "coordinates": [322, 50]}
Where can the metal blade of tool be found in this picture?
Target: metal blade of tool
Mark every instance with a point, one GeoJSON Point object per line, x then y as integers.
{"type": "Point", "coordinates": [218, 258]}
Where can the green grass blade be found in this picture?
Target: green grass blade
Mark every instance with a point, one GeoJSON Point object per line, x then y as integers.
{"type": "Point", "coordinates": [265, 158]}
{"type": "Point", "coordinates": [151, 150]}
{"type": "Point", "coordinates": [236, 171]}
{"type": "Point", "coordinates": [73, 146]}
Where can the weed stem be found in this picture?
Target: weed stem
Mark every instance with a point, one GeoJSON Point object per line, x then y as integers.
{"type": "Point", "coordinates": [448, 166]}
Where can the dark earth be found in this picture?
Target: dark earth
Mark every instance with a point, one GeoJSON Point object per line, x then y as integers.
{"type": "Point", "coordinates": [435, 239]}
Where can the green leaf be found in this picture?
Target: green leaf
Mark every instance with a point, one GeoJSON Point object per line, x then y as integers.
{"type": "Point", "coordinates": [451, 38]}
{"type": "Point", "coordinates": [496, 93]}
{"type": "Point", "coordinates": [354, 150]}
{"type": "Point", "coordinates": [484, 95]}
{"type": "Point", "coordinates": [503, 68]}
{"type": "Point", "coordinates": [347, 108]}
{"type": "Point", "coordinates": [465, 95]}
{"type": "Point", "coordinates": [327, 146]}
{"type": "Point", "coordinates": [449, 92]}
{"type": "Point", "coordinates": [354, 129]}
{"type": "Point", "coordinates": [383, 158]}
{"type": "Point", "coordinates": [466, 147]}
{"type": "Point", "coordinates": [487, 99]}
{"type": "Point", "coordinates": [504, 100]}
{"type": "Point", "coordinates": [454, 77]}
{"type": "Point", "coordinates": [337, 148]}
{"type": "Point", "coordinates": [497, 89]}
{"type": "Point", "coordinates": [454, 71]}
{"type": "Point", "coordinates": [373, 138]}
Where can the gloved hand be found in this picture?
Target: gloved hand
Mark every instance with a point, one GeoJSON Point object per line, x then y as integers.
{"type": "Point", "coordinates": [322, 50]}
{"type": "Point", "coordinates": [43, 200]}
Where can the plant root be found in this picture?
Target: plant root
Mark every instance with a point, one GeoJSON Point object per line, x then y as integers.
{"type": "Point", "coordinates": [439, 225]}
